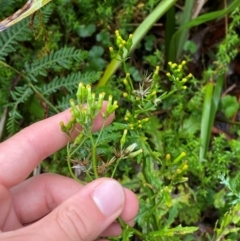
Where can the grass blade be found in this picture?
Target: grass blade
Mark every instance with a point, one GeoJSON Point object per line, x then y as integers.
{"type": "Point", "coordinates": [210, 106]}
{"type": "Point", "coordinates": [197, 21]}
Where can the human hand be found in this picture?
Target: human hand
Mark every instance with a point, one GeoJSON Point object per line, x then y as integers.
{"type": "Point", "coordinates": [53, 207]}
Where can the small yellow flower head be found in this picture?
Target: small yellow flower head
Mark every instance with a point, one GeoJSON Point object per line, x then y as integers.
{"type": "Point", "coordinates": [140, 126]}
{"type": "Point", "coordinates": [110, 98]}
{"type": "Point", "coordinates": [123, 42]}
{"type": "Point", "coordinates": [184, 80]}
{"type": "Point", "coordinates": [111, 49]}
{"type": "Point", "coordinates": [168, 74]}
{"type": "Point", "coordinates": [89, 88]}
{"type": "Point", "coordinates": [123, 139]}
{"type": "Point", "coordinates": [117, 32]}
{"type": "Point", "coordinates": [190, 75]}
{"type": "Point", "coordinates": [130, 36]}
{"type": "Point", "coordinates": [184, 87]}
{"type": "Point", "coordinates": [179, 171]}
{"type": "Point", "coordinates": [170, 63]}
{"type": "Point", "coordinates": [126, 118]}
{"type": "Point", "coordinates": [174, 65]}
{"type": "Point", "coordinates": [179, 67]}
{"type": "Point", "coordinates": [154, 92]}
{"type": "Point", "coordinates": [125, 81]}
{"type": "Point", "coordinates": [183, 62]}
{"type": "Point", "coordinates": [185, 167]}
{"type": "Point", "coordinates": [81, 85]}
{"type": "Point", "coordinates": [127, 74]}
{"type": "Point", "coordinates": [115, 104]}
{"type": "Point", "coordinates": [131, 126]}
{"type": "Point", "coordinates": [183, 154]}
{"type": "Point", "coordinates": [125, 94]}
{"type": "Point", "coordinates": [128, 114]}
{"type": "Point", "coordinates": [168, 157]}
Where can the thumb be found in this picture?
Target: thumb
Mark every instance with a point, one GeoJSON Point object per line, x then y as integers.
{"type": "Point", "coordinates": [83, 217]}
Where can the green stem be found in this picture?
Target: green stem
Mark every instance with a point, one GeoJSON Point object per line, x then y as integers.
{"type": "Point", "coordinates": [94, 156]}
{"type": "Point", "coordinates": [135, 231]}
{"type": "Point", "coordinates": [146, 171]}
{"type": "Point", "coordinates": [115, 168]}
{"type": "Point", "coordinates": [69, 165]}
{"type": "Point", "coordinates": [100, 132]}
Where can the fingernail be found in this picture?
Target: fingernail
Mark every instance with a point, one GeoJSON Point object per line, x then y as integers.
{"type": "Point", "coordinates": [109, 197]}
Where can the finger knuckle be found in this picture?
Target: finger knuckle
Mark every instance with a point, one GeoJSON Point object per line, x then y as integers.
{"type": "Point", "coordinates": [73, 220]}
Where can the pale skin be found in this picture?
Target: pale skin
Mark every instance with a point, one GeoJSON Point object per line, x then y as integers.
{"type": "Point", "coordinates": [53, 207]}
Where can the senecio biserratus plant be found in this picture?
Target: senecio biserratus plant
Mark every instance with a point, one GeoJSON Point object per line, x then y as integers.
{"type": "Point", "coordinates": [101, 154]}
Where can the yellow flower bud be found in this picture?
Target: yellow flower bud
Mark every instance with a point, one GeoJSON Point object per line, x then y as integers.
{"type": "Point", "coordinates": [184, 80]}
{"type": "Point", "coordinates": [168, 157]}
{"type": "Point", "coordinates": [179, 171]}
{"type": "Point", "coordinates": [183, 154]}
{"type": "Point", "coordinates": [125, 81]}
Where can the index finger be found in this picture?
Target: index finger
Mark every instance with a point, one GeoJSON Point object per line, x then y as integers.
{"type": "Point", "coordinates": [20, 154]}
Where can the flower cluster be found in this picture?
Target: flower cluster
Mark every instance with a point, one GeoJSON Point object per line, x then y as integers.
{"type": "Point", "coordinates": [123, 46]}
{"type": "Point", "coordinates": [87, 108]}
{"type": "Point", "coordinates": [177, 74]}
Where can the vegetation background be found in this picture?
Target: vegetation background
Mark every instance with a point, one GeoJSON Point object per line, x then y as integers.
{"type": "Point", "coordinates": [183, 119]}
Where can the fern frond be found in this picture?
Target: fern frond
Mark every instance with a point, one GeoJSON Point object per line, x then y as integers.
{"type": "Point", "coordinates": [47, 11]}
{"type": "Point", "coordinates": [59, 59]}
{"type": "Point", "coordinates": [10, 37]}
{"type": "Point", "coordinates": [64, 104]}
{"type": "Point", "coordinates": [5, 5]}
{"type": "Point", "coordinates": [13, 119]}
{"type": "Point", "coordinates": [69, 82]}
{"type": "Point", "coordinates": [21, 94]}
{"type": "Point", "coordinates": [108, 137]}
{"type": "Point", "coordinates": [104, 150]}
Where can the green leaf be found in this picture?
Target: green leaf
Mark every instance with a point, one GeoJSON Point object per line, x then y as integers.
{"type": "Point", "coordinates": [179, 230]}
{"type": "Point", "coordinates": [230, 105]}
{"type": "Point", "coordinates": [86, 31]}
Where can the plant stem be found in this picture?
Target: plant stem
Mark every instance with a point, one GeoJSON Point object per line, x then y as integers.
{"type": "Point", "coordinates": [94, 156]}
{"type": "Point", "coordinates": [69, 165]}
{"type": "Point", "coordinates": [135, 231]}
{"type": "Point", "coordinates": [115, 168]}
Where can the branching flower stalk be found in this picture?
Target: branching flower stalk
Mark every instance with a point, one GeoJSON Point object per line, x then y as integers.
{"type": "Point", "coordinates": [83, 114]}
